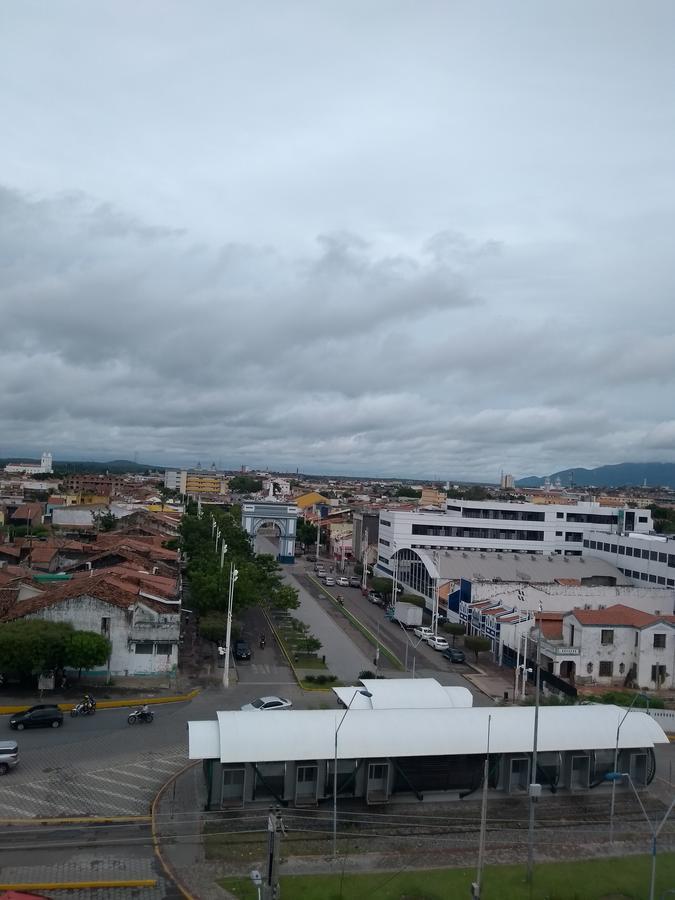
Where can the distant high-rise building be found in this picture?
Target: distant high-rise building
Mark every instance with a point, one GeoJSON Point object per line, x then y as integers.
{"type": "Point", "coordinates": [506, 482]}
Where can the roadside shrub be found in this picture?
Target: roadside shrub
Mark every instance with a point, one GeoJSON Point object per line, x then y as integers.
{"type": "Point", "coordinates": [366, 674]}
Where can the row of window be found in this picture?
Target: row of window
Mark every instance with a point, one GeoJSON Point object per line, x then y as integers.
{"type": "Point", "coordinates": [645, 576]}
{"type": "Point", "coordinates": [607, 637]}
{"type": "Point", "coordinates": [150, 648]}
{"type": "Point", "coordinates": [606, 670]}
{"type": "Point", "coordinates": [652, 555]}
{"type": "Point", "coordinates": [483, 534]}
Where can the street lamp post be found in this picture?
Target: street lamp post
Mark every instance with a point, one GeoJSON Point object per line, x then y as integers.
{"type": "Point", "coordinates": [476, 886]}
{"type": "Point", "coordinates": [228, 629]}
{"type": "Point", "coordinates": [364, 693]}
{"type": "Point", "coordinates": [535, 787]}
{"type": "Point", "coordinates": [654, 830]}
{"type": "Point", "coordinates": [616, 763]}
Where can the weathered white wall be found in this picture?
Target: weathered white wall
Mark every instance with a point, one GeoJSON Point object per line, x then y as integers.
{"type": "Point", "coordinates": [138, 622]}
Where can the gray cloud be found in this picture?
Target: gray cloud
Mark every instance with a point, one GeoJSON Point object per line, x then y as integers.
{"type": "Point", "coordinates": [338, 237]}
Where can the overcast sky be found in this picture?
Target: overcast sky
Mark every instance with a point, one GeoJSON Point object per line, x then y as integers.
{"type": "Point", "coordinates": [356, 236]}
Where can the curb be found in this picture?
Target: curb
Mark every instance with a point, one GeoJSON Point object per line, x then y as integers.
{"type": "Point", "coordinates": [77, 885]}
{"type": "Point", "coordinates": [76, 820]}
{"type": "Point", "coordinates": [165, 864]}
{"type": "Point", "coordinates": [112, 704]}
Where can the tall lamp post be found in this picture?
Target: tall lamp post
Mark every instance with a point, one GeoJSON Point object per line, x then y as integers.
{"type": "Point", "coordinates": [655, 830]}
{"type": "Point", "coordinates": [535, 787]}
{"type": "Point", "coordinates": [616, 762]}
{"type": "Point", "coordinates": [228, 629]}
{"type": "Point", "coordinates": [364, 693]}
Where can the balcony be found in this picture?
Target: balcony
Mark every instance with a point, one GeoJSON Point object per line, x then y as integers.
{"type": "Point", "coordinates": [559, 651]}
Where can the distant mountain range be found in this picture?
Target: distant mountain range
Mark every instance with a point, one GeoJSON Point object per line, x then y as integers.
{"type": "Point", "coordinates": [621, 475]}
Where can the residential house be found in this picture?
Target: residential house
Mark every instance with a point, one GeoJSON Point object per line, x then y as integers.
{"type": "Point", "coordinates": [142, 625]}
{"type": "Point", "coordinates": [621, 646]}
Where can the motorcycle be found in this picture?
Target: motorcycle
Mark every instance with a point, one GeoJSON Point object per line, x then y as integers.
{"type": "Point", "coordinates": [140, 715]}
{"type": "Point", "coordinates": [83, 709]}
{"type": "Point", "coordinates": [262, 642]}
{"type": "Point", "coordinates": [340, 599]}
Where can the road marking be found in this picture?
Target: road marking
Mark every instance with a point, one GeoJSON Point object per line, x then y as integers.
{"type": "Point", "coordinates": [115, 782]}
{"type": "Point", "coordinates": [21, 809]}
{"type": "Point", "coordinates": [138, 775]}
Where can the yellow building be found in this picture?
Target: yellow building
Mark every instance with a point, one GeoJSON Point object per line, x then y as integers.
{"type": "Point", "coordinates": [204, 483]}
{"type": "Point", "coordinates": [313, 498]}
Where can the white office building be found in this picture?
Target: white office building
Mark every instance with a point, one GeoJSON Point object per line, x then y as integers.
{"type": "Point", "coordinates": [647, 559]}
{"type": "Point", "coordinates": [502, 526]}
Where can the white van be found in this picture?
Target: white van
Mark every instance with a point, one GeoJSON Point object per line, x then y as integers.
{"type": "Point", "coordinates": [9, 756]}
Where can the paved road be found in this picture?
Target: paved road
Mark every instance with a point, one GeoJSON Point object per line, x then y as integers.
{"type": "Point", "coordinates": [84, 853]}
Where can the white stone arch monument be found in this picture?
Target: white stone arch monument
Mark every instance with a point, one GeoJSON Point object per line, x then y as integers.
{"type": "Point", "coordinates": [266, 512]}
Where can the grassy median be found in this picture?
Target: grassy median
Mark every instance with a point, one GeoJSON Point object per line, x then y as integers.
{"type": "Point", "coordinates": [604, 879]}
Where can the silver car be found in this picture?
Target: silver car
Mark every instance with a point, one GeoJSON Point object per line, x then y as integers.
{"type": "Point", "coordinates": [9, 756]}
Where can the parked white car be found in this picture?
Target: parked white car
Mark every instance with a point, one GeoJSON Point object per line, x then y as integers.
{"type": "Point", "coordinates": [423, 631]}
{"type": "Point", "coordinates": [264, 703]}
{"type": "Point", "coordinates": [329, 581]}
{"type": "Point", "coordinates": [437, 643]}
{"type": "Point", "coordinates": [342, 581]}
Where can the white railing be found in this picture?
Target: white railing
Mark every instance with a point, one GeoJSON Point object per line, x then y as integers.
{"type": "Point", "coordinates": [559, 649]}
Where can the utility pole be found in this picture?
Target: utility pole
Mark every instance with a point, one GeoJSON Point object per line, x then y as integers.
{"type": "Point", "coordinates": [476, 886]}
{"type": "Point", "coordinates": [535, 787]}
{"type": "Point", "coordinates": [275, 828]}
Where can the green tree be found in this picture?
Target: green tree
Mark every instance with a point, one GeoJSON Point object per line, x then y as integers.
{"type": "Point", "coordinates": [105, 521]}
{"type": "Point", "coordinates": [456, 629]}
{"type": "Point", "coordinates": [86, 650]}
{"type": "Point", "coordinates": [405, 491]}
{"type": "Point", "coordinates": [212, 626]}
{"type": "Point", "coordinates": [380, 585]}
{"type": "Point", "coordinates": [477, 644]}
{"type": "Point", "coordinates": [32, 646]}
{"type": "Point", "coordinates": [245, 484]}
{"type": "Point", "coordinates": [306, 532]}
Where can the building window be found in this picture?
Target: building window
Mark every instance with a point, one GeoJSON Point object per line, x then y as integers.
{"type": "Point", "coordinates": [607, 636]}
{"type": "Point", "coordinates": [661, 580]}
{"type": "Point", "coordinates": [105, 626]}
{"type": "Point", "coordinates": [636, 575]}
{"type": "Point", "coordinates": [670, 582]}
{"type": "Point", "coordinates": [622, 668]}
{"type": "Point", "coordinates": [592, 545]}
{"type": "Point", "coordinates": [382, 541]}
{"type": "Point", "coordinates": [654, 556]}
{"type": "Point", "coordinates": [642, 519]}
{"type": "Point", "coordinates": [644, 576]}
{"type": "Point", "coordinates": [589, 667]}
{"type": "Point", "coordinates": [613, 548]}
{"type": "Point", "coordinates": [663, 557]}
{"type": "Point", "coordinates": [144, 647]}
{"type": "Point", "coordinates": [645, 554]}
{"type": "Point", "coordinates": [606, 669]}
{"type": "Point", "coordinates": [385, 523]}
{"type": "Point", "coordinates": [164, 649]}
{"type": "Point", "coordinates": [659, 641]}
{"type": "Point", "coordinates": [585, 542]}
{"type": "Point", "coordinates": [629, 551]}
{"type": "Point", "coordinates": [560, 515]}
{"type": "Point", "coordinates": [652, 579]}
{"type": "Point", "coordinates": [658, 674]}
{"type": "Point", "coordinates": [622, 550]}
{"type": "Point", "coordinates": [636, 638]}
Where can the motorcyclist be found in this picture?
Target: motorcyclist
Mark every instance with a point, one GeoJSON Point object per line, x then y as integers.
{"type": "Point", "coordinates": [88, 701]}
{"type": "Point", "coordinates": [262, 640]}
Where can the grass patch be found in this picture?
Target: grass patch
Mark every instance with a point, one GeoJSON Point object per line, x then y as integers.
{"type": "Point", "coordinates": [310, 662]}
{"type": "Point", "coordinates": [605, 879]}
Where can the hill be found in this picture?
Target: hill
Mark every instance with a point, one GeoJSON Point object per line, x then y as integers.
{"type": "Point", "coordinates": [620, 475]}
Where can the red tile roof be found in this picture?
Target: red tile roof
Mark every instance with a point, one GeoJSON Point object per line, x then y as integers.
{"type": "Point", "coordinates": [109, 590]}
{"type": "Point", "coordinates": [618, 615]}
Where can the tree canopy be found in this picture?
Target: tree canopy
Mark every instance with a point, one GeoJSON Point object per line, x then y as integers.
{"type": "Point", "coordinates": [259, 576]}
{"type": "Point", "coordinates": [32, 646]}
{"type": "Point", "coordinates": [245, 484]}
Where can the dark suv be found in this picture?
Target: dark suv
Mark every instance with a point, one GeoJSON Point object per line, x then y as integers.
{"type": "Point", "coordinates": [242, 650]}
{"type": "Point", "coordinates": [39, 716]}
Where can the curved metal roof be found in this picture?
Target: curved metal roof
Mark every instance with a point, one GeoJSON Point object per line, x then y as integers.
{"type": "Point", "coordinates": [372, 733]}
